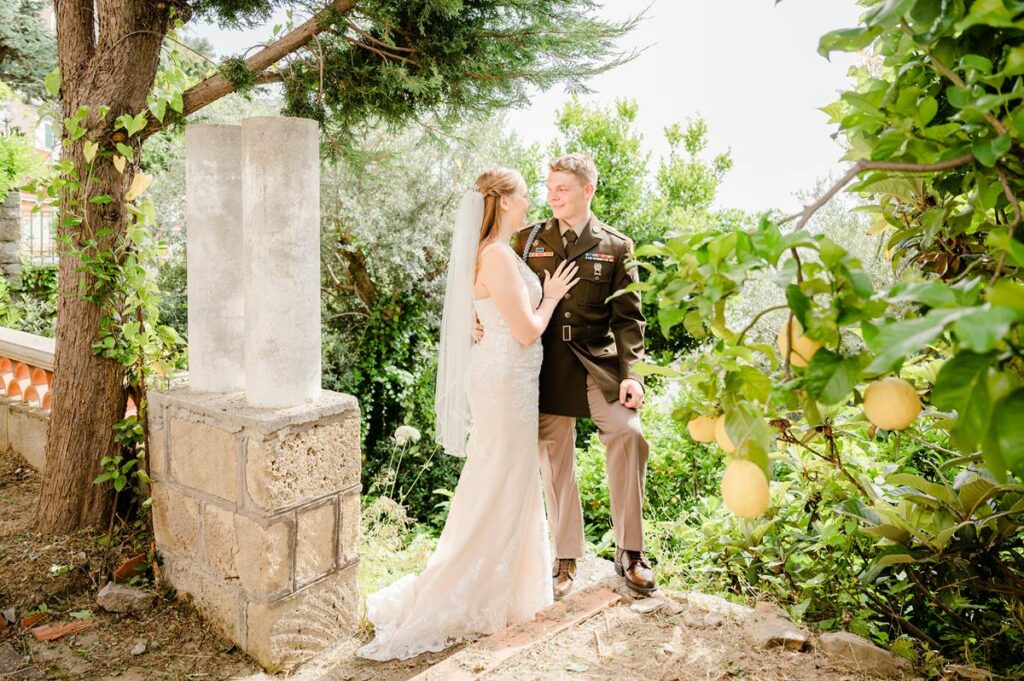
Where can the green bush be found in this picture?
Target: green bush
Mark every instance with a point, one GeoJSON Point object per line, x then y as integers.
{"type": "Point", "coordinates": [30, 304]}
{"type": "Point", "coordinates": [680, 474]}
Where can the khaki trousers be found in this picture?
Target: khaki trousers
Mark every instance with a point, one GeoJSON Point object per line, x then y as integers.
{"type": "Point", "coordinates": [626, 452]}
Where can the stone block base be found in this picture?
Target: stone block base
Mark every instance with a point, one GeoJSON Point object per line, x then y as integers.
{"type": "Point", "coordinates": [256, 517]}
{"type": "Point", "coordinates": [23, 428]}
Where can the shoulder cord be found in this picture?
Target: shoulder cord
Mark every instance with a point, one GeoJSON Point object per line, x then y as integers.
{"type": "Point", "coordinates": [533, 236]}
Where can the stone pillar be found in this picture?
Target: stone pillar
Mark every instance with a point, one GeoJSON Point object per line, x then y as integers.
{"type": "Point", "coordinates": [281, 212]}
{"type": "Point", "coordinates": [213, 217]}
{"type": "Point", "coordinates": [256, 517]}
{"type": "Point", "coordinates": [10, 234]}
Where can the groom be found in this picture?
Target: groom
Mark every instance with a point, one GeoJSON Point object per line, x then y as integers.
{"type": "Point", "coordinates": [590, 348]}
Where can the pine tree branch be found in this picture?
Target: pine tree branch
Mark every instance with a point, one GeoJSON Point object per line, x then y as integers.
{"type": "Point", "coordinates": [216, 86]}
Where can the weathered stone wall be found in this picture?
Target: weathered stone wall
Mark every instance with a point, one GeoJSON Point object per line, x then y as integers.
{"type": "Point", "coordinates": [256, 516]}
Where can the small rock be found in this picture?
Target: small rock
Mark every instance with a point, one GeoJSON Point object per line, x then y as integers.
{"type": "Point", "coordinates": [861, 654]}
{"type": "Point", "coordinates": [767, 629]}
{"type": "Point", "coordinates": [646, 606]}
{"type": "Point", "coordinates": [766, 608]}
{"type": "Point", "coordinates": [576, 667]}
{"type": "Point", "coordinates": [120, 598]}
{"type": "Point", "coordinates": [81, 557]}
{"type": "Point", "coordinates": [10, 615]}
{"type": "Point", "coordinates": [713, 619]}
{"type": "Point", "coordinates": [719, 605]}
{"type": "Point", "coordinates": [139, 647]}
{"type": "Point", "coordinates": [967, 672]}
{"type": "Point", "coordinates": [693, 620]}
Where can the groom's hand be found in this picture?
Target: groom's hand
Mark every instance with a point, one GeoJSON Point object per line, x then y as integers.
{"type": "Point", "coordinates": [631, 394]}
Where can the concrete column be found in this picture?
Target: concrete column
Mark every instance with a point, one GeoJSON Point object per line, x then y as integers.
{"type": "Point", "coordinates": [10, 234]}
{"type": "Point", "coordinates": [213, 215]}
{"type": "Point", "coordinates": [281, 251]}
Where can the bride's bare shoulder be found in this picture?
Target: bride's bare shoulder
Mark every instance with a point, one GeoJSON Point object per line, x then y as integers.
{"type": "Point", "coordinates": [497, 254]}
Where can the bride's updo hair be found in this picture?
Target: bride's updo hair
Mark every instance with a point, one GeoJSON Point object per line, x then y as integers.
{"type": "Point", "coordinates": [494, 184]}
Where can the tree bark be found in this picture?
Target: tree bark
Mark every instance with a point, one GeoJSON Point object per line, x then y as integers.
{"type": "Point", "coordinates": [116, 68]}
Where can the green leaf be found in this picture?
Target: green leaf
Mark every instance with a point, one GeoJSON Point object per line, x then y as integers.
{"type": "Point", "coordinates": [645, 369]}
{"type": "Point", "coordinates": [750, 382]}
{"type": "Point", "coordinates": [744, 421]}
{"type": "Point", "coordinates": [1014, 65]}
{"type": "Point", "coordinates": [983, 328]}
{"type": "Point", "coordinates": [931, 293]}
{"type": "Point", "coordinates": [52, 82]}
{"type": "Point", "coordinates": [974, 491]}
{"type": "Point", "coordinates": [158, 107]}
{"type": "Point", "coordinates": [887, 12]}
{"type": "Point", "coordinates": [1007, 293]}
{"type": "Point", "coordinates": [976, 62]}
{"type": "Point", "coordinates": [987, 13]}
{"type": "Point", "coordinates": [988, 150]}
{"type": "Point", "coordinates": [962, 386]}
{"type": "Point", "coordinates": [895, 342]}
{"type": "Point", "coordinates": [799, 302]}
{"type": "Point", "coordinates": [935, 490]}
{"type": "Point", "coordinates": [126, 151]}
{"type": "Point", "coordinates": [1008, 424]}
{"type": "Point", "coordinates": [830, 377]}
{"type": "Point", "coordinates": [926, 110]}
{"type": "Point", "coordinates": [847, 40]}
{"type": "Point", "coordinates": [100, 199]}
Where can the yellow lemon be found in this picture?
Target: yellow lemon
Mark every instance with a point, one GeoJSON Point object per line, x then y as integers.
{"type": "Point", "coordinates": [745, 488]}
{"type": "Point", "coordinates": [803, 347]}
{"type": "Point", "coordinates": [891, 403]}
{"type": "Point", "coordinates": [722, 437]}
{"type": "Point", "coordinates": [702, 428]}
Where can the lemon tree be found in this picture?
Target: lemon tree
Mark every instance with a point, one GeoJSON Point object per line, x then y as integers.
{"type": "Point", "coordinates": [933, 124]}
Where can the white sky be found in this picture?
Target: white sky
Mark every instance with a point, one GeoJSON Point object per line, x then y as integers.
{"type": "Point", "coordinates": [749, 67]}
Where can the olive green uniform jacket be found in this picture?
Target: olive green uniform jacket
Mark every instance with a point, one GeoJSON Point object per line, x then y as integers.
{"type": "Point", "coordinates": [588, 333]}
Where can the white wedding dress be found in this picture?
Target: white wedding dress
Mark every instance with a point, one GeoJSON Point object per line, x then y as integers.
{"type": "Point", "coordinates": [491, 566]}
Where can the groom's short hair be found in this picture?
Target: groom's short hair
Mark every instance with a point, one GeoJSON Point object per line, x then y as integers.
{"type": "Point", "coordinates": [580, 165]}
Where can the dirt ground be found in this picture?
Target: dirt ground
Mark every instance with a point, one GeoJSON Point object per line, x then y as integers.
{"type": "Point", "coordinates": [60, 577]}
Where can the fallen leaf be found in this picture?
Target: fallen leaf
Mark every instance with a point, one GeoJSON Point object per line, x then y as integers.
{"type": "Point", "coordinates": [130, 568]}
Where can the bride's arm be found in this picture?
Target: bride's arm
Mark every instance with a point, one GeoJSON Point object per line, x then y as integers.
{"type": "Point", "coordinates": [499, 273]}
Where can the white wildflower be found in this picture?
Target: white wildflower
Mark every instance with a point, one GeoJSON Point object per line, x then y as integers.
{"type": "Point", "coordinates": [406, 434]}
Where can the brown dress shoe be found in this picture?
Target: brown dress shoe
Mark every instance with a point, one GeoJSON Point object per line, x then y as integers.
{"type": "Point", "coordinates": [637, 572]}
{"type": "Point", "coordinates": [562, 574]}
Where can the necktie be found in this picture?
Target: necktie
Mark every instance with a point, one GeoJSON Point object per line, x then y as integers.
{"type": "Point", "coordinates": [570, 242]}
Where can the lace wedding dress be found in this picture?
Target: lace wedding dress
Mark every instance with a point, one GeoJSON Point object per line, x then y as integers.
{"type": "Point", "coordinates": [491, 565]}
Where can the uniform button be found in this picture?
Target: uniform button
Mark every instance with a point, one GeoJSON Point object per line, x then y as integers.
{"type": "Point", "coordinates": [568, 296]}
{"type": "Point", "coordinates": [568, 315]}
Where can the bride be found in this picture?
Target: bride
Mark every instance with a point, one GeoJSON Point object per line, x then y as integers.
{"type": "Point", "coordinates": [491, 565]}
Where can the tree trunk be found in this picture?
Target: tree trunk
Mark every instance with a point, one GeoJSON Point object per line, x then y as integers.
{"type": "Point", "coordinates": [115, 69]}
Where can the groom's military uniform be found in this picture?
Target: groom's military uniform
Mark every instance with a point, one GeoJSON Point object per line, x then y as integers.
{"type": "Point", "coordinates": [590, 347]}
